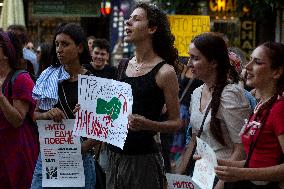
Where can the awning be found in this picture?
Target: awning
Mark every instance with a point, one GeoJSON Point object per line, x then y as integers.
{"type": "Point", "coordinates": [12, 13]}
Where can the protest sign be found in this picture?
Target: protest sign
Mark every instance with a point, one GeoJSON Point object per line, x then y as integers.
{"type": "Point", "coordinates": [185, 27]}
{"type": "Point", "coordinates": [180, 181]}
{"type": "Point", "coordinates": [62, 164]}
{"type": "Point", "coordinates": [105, 106]}
{"type": "Point", "coordinates": [204, 173]}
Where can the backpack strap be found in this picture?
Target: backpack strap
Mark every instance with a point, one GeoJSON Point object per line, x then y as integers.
{"type": "Point", "coordinates": [12, 80]}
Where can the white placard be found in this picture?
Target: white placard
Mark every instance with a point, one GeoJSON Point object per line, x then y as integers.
{"type": "Point", "coordinates": [105, 106]}
{"type": "Point", "coordinates": [180, 181]}
{"type": "Point", "coordinates": [62, 164]}
{"type": "Point", "coordinates": [204, 173]}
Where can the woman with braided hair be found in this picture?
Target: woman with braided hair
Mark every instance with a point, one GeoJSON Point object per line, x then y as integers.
{"type": "Point", "coordinates": [227, 104]}
{"type": "Point", "coordinates": [263, 134]}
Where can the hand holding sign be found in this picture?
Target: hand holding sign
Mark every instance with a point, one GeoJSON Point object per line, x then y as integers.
{"type": "Point", "coordinates": [204, 173]}
{"type": "Point", "coordinates": [105, 106]}
{"type": "Point", "coordinates": [136, 122]}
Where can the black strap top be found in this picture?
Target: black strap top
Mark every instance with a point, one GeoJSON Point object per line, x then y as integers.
{"type": "Point", "coordinates": [148, 101]}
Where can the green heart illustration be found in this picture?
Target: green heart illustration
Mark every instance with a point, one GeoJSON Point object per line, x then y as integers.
{"type": "Point", "coordinates": [112, 107]}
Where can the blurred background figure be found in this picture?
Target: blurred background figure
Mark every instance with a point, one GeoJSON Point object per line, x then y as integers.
{"type": "Point", "coordinates": [43, 56]}
{"type": "Point", "coordinates": [117, 52]}
{"type": "Point", "coordinates": [238, 73]}
{"type": "Point", "coordinates": [90, 41]}
{"type": "Point", "coordinates": [29, 62]}
{"type": "Point", "coordinates": [30, 46]}
{"type": "Point", "coordinates": [100, 56]}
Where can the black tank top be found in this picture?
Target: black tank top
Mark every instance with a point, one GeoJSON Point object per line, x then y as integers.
{"type": "Point", "coordinates": [68, 97]}
{"type": "Point", "coordinates": [148, 101]}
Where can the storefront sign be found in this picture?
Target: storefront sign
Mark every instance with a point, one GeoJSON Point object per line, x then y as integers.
{"type": "Point", "coordinates": [247, 35]}
{"type": "Point", "coordinates": [223, 5]}
{"type": "Point", "coordinates": [185, 27]}
{"type": "Point", "coordinates": [86, 8]}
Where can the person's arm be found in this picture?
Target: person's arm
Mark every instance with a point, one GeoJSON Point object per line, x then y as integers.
{"type": "Point", "coordinates": [16, 113]}
{"type": "Point", "coordinates": [88, 145]}
{"type": "Point", "coordinates": [238, 152]}
{"type": "Point", "coordinates": [167, 81]}
{"type": "Point", "coordinates": [273, 173]}
{"type": "Point", "coordinates": [181, 168]}
{"type": "Point", "coordinates": [234, 109]}
{"type": "Point", "coordinates": [55, 114]}
{"type": "Point", "coordinates": [231, 163]}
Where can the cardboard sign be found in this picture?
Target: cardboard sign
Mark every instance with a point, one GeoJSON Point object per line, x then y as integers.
{"type": "Point", "coordinates": [105, 106]}
{"type": "Point", "coordinates": [185, 27]}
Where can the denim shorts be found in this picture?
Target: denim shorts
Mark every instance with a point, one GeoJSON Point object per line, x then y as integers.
{"type": "Point", "coordinates": [89, 170]}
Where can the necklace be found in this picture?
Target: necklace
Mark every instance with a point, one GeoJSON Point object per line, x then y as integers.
{"type": "Point", "coordinates": [63, 91]}
{"type": "Point", "coordinates": [137, 67]}
{"type": "Point", "coordinates": [262, 104]}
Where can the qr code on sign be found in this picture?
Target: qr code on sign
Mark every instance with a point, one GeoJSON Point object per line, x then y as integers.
{"type": "Point", "coordinates": [51, 172]}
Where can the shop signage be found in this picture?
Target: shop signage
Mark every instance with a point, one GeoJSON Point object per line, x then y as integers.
{"type": "Point", "coordinates": [185, 27]}
{"type": "Point", "coordinates": [223, 5]}
{"type": "Point", "coordinates": [247, 35]}
{"type": "Point", "coordinates": [86, 8]}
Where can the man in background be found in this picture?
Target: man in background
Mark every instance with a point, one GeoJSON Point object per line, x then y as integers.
{"type": "Point", "coordinates": [100, 67]}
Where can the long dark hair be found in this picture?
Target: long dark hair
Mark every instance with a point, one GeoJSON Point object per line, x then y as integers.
{"type": "Point", "coordinates": [214, 48]}
{"type": "Point", "coordinates": [163, 39]}
{"type": "Point", "coordinates": [45, 52]}
{"type": "Point", "coordinates": [75, 32]}
{"type": "Point", "coordinates": [275, 52]}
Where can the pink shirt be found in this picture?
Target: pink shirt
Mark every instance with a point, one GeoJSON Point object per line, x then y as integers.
{"type": "Point", "coordinates": [18, 146]}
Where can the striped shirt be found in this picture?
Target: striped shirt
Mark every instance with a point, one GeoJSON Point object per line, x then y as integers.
{"type": "Point", "coordinates": [46, 88]}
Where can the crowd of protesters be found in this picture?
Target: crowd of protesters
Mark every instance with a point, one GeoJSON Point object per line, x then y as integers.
{"type": "Point", "coordinates": [216, 92]}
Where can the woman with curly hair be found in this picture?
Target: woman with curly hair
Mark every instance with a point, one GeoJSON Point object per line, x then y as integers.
{"type": "Point", "coordinates": [227, 104]}
{"type": "Point", "coordinates": [152, 77]}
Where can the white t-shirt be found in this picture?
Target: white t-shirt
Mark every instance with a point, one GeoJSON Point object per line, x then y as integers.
{"type": "Point", "coordinates": [233, 110]}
